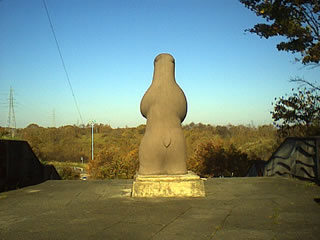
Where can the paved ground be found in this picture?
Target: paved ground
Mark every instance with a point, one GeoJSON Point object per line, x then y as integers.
{"type": "Point", "coordinates": [235, 208]}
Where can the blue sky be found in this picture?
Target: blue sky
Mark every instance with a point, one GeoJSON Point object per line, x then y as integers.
{"type": "Point", "coordinates": [228, 76]}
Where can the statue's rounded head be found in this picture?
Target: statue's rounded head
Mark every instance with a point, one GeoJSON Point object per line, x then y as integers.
{"type": "Point", "coordinates": [164, 57]}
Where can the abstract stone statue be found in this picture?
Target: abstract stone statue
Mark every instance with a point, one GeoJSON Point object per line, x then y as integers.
{"type": "Point", "coordinates": [164, 105]}
{"type": "Point", "coordinates": [162, 153]}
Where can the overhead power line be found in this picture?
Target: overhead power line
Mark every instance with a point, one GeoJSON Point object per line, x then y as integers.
{"type": "Point", "coordinates": [62, 61]}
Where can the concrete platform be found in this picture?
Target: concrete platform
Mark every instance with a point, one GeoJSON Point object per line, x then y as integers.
{"type": "Point", "coordinates": [234, 208]}
{"type": "Point", "coordinates": [185, 185]}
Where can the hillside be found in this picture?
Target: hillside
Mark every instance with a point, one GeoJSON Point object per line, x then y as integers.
{"type": "Point", "coordinates": [212, 150]}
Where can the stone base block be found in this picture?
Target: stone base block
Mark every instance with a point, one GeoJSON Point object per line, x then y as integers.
{"type": "Point", "coordinates": [186, 185]}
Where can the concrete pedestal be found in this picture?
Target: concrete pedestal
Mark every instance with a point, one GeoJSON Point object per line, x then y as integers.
{"type": "Point", "coordinates": [186, 185]}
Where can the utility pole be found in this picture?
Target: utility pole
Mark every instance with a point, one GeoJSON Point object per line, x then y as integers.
{"type": "Point", "coordinates": [11, 118]}
{"type": "Point", "coordinates": [92, 124]}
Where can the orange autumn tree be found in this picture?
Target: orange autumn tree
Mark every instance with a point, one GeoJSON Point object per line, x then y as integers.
{"type": "Point", "coordinates": [131, 162]}
{"type": "Point", "coordinates": [106, 164]}
{"type": "Point", "coordinates": [212, 159]}
{"type": "Point", "coordinates": [109, 163]}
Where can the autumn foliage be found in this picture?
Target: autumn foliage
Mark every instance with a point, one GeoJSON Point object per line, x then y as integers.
{"type": "Point", "coordinates": [212, 151]}
{"type": "Point", "coordinates": [298, 114]}
{"type": "Point", "coordinates": [212, 159]}
{"type": "Point", "coordinates": [109, 164]}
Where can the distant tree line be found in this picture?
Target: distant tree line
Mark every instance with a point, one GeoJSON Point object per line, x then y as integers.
{"type": "Point", "coordinates": [211, 150]}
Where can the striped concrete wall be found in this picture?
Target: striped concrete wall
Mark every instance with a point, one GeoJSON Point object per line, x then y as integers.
{"type": "Point", "coordinates": [297, 157]}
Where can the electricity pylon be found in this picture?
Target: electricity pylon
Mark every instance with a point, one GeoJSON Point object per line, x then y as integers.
{"type": "Point", "coordinates": [11, 118]}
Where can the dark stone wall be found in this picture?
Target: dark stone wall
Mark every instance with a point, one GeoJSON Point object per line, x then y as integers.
{"type": "Point", "coordinates": [20, 167]}
{"type": "Point", "coordinates": [256, 169]}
